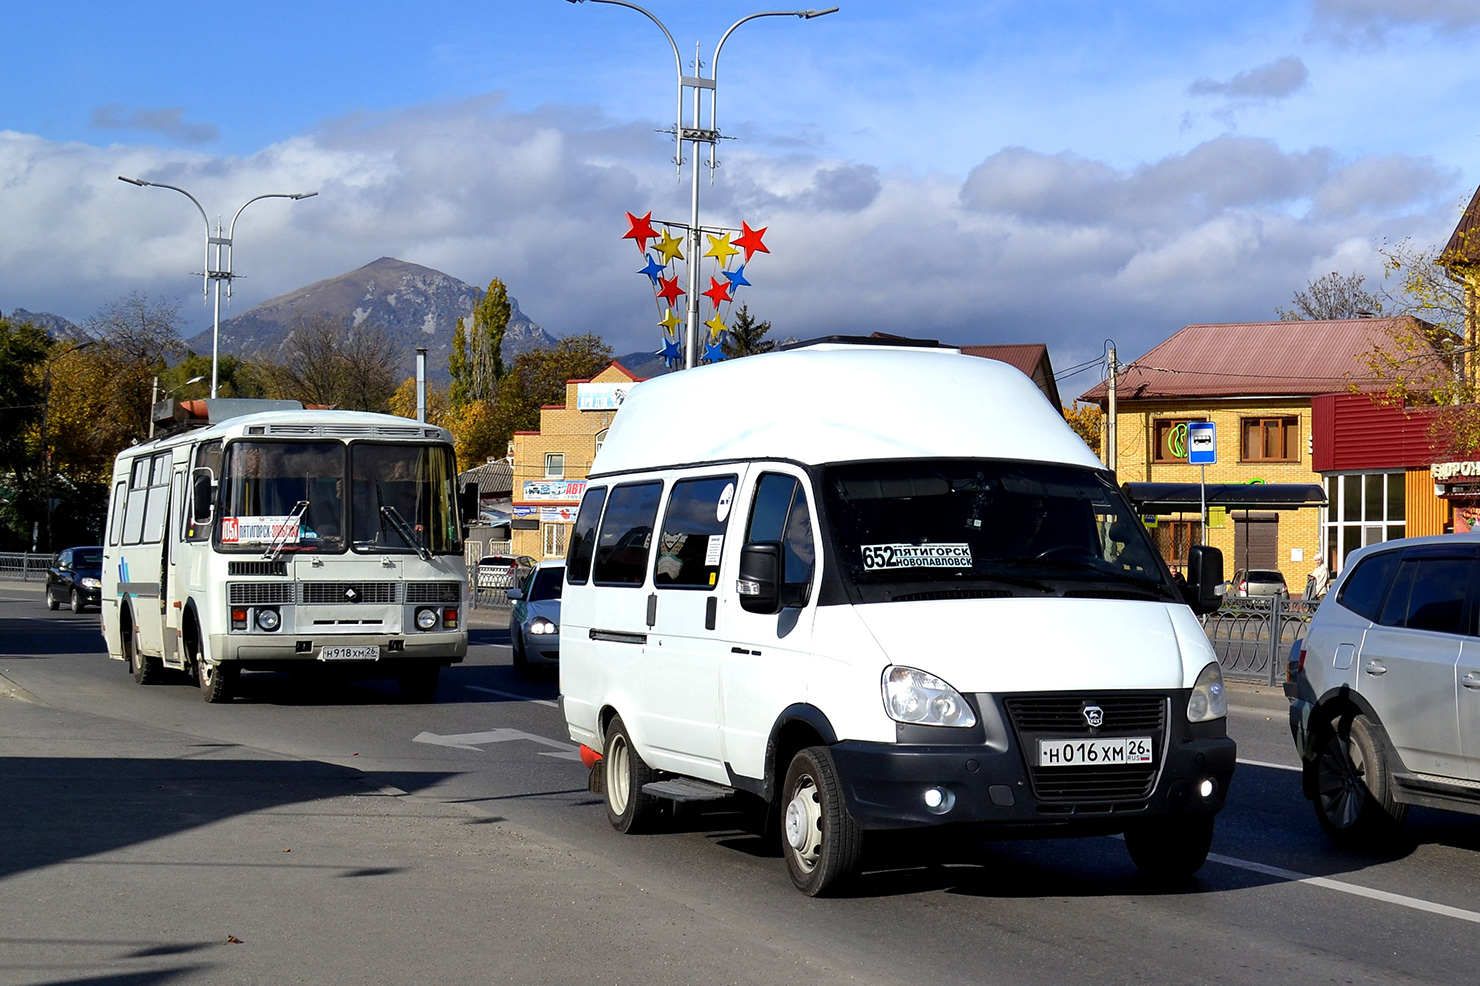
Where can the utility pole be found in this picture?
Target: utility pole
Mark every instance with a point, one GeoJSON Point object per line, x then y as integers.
{"type": "Point", "coordinates": [1111, 448]}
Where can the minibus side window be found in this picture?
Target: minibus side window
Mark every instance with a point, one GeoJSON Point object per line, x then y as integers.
{"type": "Point", "coordinates": [693, 533]}
{"type": "Point", "coordinates": [115, 526]}
{"type": "Point", "coordinates": [583, 537]}
{"type": "Point", "coordinates": [626, 534]}
{"type": "Point", "coordinates": [779, 513]}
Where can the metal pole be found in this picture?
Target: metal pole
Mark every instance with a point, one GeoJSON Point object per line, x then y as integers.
{"type": "Point", "coordinates": [421, 384]}
{"type": "Point", "coordinates": [1203, 497]}
{"type": "Point", "coordinates": [691, 344]}
{"type": "Point", "coordinates": [153, 400]}
{"type": "Point", "coordinates": [1111, 437]}
{"type": "Point", "coordinates": [216, 321]}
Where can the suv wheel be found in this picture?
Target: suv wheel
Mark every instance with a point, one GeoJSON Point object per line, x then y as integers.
{"type": "Point", "coordinates": [1354, 785]}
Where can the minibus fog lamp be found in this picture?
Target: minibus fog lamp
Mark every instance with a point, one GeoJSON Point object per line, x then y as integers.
{"type": "Point", "coordinates": [1206, 787]}
{"type": "Point", "coordinates": [939, 799]}
{"type": "Point", "coordinates": [268, 619]}
{"type": "Point", "coordinates": [426, 619]}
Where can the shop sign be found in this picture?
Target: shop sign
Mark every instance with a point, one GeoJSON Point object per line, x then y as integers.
{"type": "Point", "coordinates": [1444, 471]}
{"type": "Point", "coordinates": [557, 515]}
{"type": "Point", "coordinates": [601, 396]}
{"type": "Point", "coordinates": [554, 489]}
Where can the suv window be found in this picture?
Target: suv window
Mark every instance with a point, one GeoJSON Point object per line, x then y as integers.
{"type": "Point", "coordinates": [1429, 594]}
{"type": "Point", "coordinates": [1365, 588]}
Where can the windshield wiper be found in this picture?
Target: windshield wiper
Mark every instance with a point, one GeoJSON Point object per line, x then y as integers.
{"type": "Point", "coordinates": [276, 547]}
{"type": "Point", "coordinates": [408, 534]}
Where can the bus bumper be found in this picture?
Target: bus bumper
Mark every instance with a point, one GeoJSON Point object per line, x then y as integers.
{"type": "Point", "coordinates": [340, 649]}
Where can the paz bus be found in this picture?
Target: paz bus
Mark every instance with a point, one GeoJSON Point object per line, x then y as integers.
{"type": "Point", "coordinates": [287, 540]}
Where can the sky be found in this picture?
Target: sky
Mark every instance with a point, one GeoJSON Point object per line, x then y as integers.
{"type": "Point", "coordinates": [1059, 171]}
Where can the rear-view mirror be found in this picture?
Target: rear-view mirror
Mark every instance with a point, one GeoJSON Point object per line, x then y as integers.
{"type": "Point", "coordinates": [759, 585]}
{"type": "Point", "coordinates": [202, 495]}
{"type": "Point", "coordinates": [1204, 579]}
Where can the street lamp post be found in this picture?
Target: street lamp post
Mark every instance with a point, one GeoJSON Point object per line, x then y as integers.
{"type": "Point", "coordinates": [46, 435]}
{"type": "Point", "coordinates": [697, 134]}
{"type": "Point", "coordinates": [215, 272]}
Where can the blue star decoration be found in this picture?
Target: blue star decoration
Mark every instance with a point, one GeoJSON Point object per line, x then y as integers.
{"type": "Point", "coordinates": [670, 350]}
{"type": "Point", "coordinates": [737, 278]}
{"type": "Point", "coordinates": [714, 351]}
{"type": "Point", "coordinates": [653, 268]}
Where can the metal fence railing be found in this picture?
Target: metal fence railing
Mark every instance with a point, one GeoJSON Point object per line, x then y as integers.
{"type": "Point", "coordinates": [24, 566]}
{"type": "Point", "coordinates": [1252, 636]}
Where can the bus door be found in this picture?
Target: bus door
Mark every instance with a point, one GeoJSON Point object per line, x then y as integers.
{"type": "Point", "coordinates": [172, 587]}
{"type": "Point", "coordinates": [146, 547]}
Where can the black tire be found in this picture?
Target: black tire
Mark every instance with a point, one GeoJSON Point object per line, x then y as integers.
{"type": "Point", "coordinates": [419, 685]}
{"type": "Point", "coordinates": [821, 842]}
{"type": "Point", "coordinates": [147, 670]}
{"type": "Point", "coordinates": [516, 650]}
{"type": "Point", "coordinates": [217, 681]}
{"type": "Point", "coordinates": [1170, 850]}
{"type": "Point", "coordinates": [51, 602]}
{"type": "Point", "coordinates": [1354, 785]}
{"type": "Point", "coordinates": [628, 807]}
{"type": "Point", "coordinates": [76, 601]}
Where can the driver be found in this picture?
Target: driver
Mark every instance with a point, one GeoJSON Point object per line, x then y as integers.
{"type": "Point", "coordinates": [1020, 525]}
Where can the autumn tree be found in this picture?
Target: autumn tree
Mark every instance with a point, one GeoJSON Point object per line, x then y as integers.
{"type": "Point", "coordinates": [477, 360]}
{"type": "Point", "coordinates": [1085, 420]}
{"type": "Point", "coordinates": [138, 337]}
{"type": "Point", "coordinates": [747, 336]}
{"type": "Point", "coordinates": [1332, 296]}
{"type": "Point", "coordinates": [332, 364]}
{"type": "Point", "coordinates": [403, 402]}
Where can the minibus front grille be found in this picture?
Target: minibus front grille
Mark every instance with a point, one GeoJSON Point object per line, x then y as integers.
{"type": "Point", "coordinates": [1063, 715]}
{"type": "Point", "coordinates": [259, 593]}
{"type": "Point", "coordinates": [1036, 717]}
{"type": "Point", "coordinates": [433, 592]}
{"type": "Point", "coordinates": [338, 593]}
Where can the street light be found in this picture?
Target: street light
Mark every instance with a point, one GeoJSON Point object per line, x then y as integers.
{"type": "Point", "coordinates": [217, 273]}
{"type": "Point", "coordinates": [698, 134]}
{"type": "Point", "coordinates": [46, 435]}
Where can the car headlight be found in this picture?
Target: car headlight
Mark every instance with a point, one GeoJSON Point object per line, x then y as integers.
{"type": "Point", "coordinates": [268, 619]}
{"type": "Point", "coordinates": [91, 584]}
{"type": "Point", "coordinates": [426, 619]}
{"type": "Point", "coordinates": [542, 625]}
{"type": "Point", "coordinates": [916, 697]}
{"type": "Point", "coordinates": [1209, 700]}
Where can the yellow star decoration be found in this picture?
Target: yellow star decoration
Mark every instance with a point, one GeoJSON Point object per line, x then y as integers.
{"type": "Point", "coordinates": [667, 247]}
{"type": "Point", "coordinates": [716, 324]}
{"type": "Point", "coordinates": [721, 250]}
{"type": "Point", "coordinates": [669, 321]}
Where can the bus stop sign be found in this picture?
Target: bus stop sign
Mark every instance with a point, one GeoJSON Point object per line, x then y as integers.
{"type": "Point", "coordinates": [1202, 444]}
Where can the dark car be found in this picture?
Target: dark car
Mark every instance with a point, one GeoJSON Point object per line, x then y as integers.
{"type": "Point", "coordinates": [75, 578]}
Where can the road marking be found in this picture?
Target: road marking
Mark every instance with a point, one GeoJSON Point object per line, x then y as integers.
{"type": "Point", "coordinates": [522, 698]}
{"type": "Point", "coordinates": [1340, 886]}
{"type": "Point", "coordinates": [1271, 766]}
{"type": "Point", "coordinates": [472, 741]}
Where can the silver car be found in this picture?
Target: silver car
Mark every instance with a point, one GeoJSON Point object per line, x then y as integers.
{"type": "Point", "coordinates": [534, 624]}
{"type": "Point", "coordinates": [1258, 582]}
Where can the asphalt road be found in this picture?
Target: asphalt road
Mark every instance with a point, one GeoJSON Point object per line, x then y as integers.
{"type": "Point", "coordinates": [344, 836]}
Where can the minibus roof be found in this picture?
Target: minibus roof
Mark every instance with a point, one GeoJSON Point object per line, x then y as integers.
{"type": "Point", "coordinates": [839, 403]}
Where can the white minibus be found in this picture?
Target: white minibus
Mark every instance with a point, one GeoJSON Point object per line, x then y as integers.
{"type": "Point", "coordinates": [882, 586]}
{"type": "Point", "coordinates": [287, 540]}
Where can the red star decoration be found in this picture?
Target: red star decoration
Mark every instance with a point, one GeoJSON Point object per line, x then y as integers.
{"type": "Point", "coordinates": [670, 290]}
{"type": "Point", "coordinates": [642, 230]}
{"type": "Point", "coordinates": [749, 240]}
{"type": "Point", "coordinates": [718, 293]}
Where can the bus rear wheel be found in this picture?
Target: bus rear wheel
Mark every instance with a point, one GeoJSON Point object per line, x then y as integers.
{"type": "Point", "coordinates": [147, 670]}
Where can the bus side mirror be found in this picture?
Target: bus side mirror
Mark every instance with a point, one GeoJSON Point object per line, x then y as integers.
{"type": "Point", "coordinates": [467, 506]}
{"type": "Point", "coordinates": [1204, 578]}
{"type": "Point", "coordinates": [202, 501]}
{"type": "Point", "coordinates": [759, 586]}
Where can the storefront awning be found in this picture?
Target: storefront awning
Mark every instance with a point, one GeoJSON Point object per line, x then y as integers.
{"type": "Point", "coordinates": [1173, 498]}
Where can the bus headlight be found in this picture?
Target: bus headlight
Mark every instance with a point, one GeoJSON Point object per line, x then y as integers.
{"type": "Point", "coordinates": [268, 619]}
{"type": "Point", "coordinates": [426, 619]}
{"type": "Point", "coordinates": [916, 697]}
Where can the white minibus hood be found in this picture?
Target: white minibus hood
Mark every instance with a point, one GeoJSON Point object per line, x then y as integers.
{"type": "Point", "coordinates": [1035, 645]}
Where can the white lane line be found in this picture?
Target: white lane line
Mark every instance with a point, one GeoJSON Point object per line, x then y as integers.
{"type": "Point", "coordinates": [522, 698]}
{"type": "Point", "coordinates": [1271, 766]}
{"type": "Point", "coordinates": [1340, 886]}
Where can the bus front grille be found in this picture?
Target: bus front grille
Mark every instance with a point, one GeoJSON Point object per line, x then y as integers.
{"type": "Point", "coordinates": [259, 593]}
{"type": "Point", "coordinates": [351, 592]}
{"type": "Point", "coordinates": [433, 592]}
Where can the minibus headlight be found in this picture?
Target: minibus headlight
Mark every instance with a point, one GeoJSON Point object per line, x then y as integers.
{"type": "Point", "coordinates": [913, 696]}
{"type": "Point", "coordinates": [268, 619]}
{"type": "Point", "coordinates": [426, 619]}
{"type": "Point", "coordinates": [1208, 701]}
{"type": "Point", "coordinates": [542, 625]}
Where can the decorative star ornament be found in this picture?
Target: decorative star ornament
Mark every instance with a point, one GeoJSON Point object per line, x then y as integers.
{"type": "Point", "coordinates": [670, 350]}
{"type": "Point", "coordinates": [716, 326]}
{"type": "Point", "coordinates": [640, 230]}
{"type": "Point", "coordinates": [653, 268]}
{"type": "Point", "coordinates": [721, 250]}
{"type": "Point", "coordinates": [668, 247]}
{"type": "Point", "coordinates": [669, 321]}
{"type": "Point", "coordinates": [736, 278]}
{"type": "Point", "coordinates": [718, 292]}
{"type": "Point", "coordinates": [749, 240]}
{"type": "Point", "coordinates": [714, 352]}
{"type": "Point", "coordinates": [670, 289]}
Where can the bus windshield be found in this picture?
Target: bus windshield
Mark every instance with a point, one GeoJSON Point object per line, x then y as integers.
{"type": "Point", "coordinates": [293, 496]}
{"type": "Point", "coordinates": [1006, 525]}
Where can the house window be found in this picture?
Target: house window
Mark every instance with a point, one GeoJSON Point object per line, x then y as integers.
{"type": "Point", "coordinates": [1270, 439]}
{"type": "Point", "coordinates": [600, 440]}
{"type": "Point", "coordinates": [554, 536]}
{"type": "Point", "coordinates": [1363, 509]}
{"type": "Point", "coordinates": [1170, 437]}
{"type": "Point", "coordinates": [554, 465]}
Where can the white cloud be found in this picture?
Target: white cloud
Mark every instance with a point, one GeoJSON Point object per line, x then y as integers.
{"type": "Point", "coordinates": [1276, 80]}
{"type": "Point", "coordinates": [1027, 247]}
{"type": "Point", "coordinates": [1369, 22]}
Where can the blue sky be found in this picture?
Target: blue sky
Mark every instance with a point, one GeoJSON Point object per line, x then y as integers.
{"type": "Point", "coordinates": [978, 172]}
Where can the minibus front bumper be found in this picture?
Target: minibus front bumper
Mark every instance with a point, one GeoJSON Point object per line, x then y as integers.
{"type": "Point", "coordinates": [994, 781]}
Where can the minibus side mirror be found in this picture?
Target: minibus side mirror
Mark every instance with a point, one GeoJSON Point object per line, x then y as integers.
{"type": "Point", "coordinates": [759, 586]}
{"type": "Point", "coordinates": [202, 486]}
{"type": "Point", "coordinates": [1204, 579]}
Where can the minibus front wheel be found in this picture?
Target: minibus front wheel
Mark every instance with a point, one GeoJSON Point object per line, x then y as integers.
{"type": "Point", "coordinates": [822, 843]}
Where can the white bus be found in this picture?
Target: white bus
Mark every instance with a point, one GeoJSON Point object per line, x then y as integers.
{"type": "Point", "coordinates": [287, 540]}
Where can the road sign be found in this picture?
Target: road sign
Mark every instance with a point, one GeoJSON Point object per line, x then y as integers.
{"type": "Point", "coordinates": [1202, 443]}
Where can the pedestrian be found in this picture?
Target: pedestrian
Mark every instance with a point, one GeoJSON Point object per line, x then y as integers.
{"type": "Point", "coordinates": [1320, 581]}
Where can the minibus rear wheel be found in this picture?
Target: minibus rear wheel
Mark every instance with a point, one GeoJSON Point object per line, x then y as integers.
{"type": "Point", "coordinates": [822, 843]}
{"type": "Point", "coordinates": [629, 808]}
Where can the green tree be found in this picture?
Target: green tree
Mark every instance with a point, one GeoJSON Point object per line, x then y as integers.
{"type": "Point", "coordinates": [747, 337]}
{"type": "Point", "coordinates": [24, 348]}
{"type": "Point", "coordinates": [139, 337]}
{"type": "Point", "coordinates": [1332, 296]}
{"type": "Point", "coordinates": [477, 360]}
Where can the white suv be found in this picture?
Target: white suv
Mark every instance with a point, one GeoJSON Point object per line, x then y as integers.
{"type": "Point", "coordinates": [1385, 688]}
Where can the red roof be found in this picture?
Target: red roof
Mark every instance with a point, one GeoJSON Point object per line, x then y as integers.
{"type": "Point", "coordinates": [1463, 249]}
{"type": "Point", "coordinates": [1247, 359]}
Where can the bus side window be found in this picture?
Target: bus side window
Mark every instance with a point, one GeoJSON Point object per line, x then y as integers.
{"type": "Point", "coordinates": [138, 499]}
{"type": "Point", "coordinates": [115, 523]}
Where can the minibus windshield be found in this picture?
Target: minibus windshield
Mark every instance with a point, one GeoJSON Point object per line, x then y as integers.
{"type": "Point", "coordinates": [1018, 524]}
